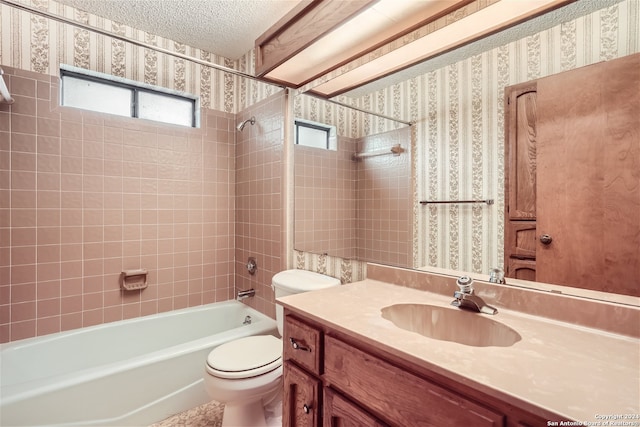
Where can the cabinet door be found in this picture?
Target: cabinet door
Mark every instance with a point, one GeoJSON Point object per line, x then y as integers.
{"type": "Point", "coordinates": [523, 269]}
{"type": "Point", "coordinates": [300, 401]}
{"type": "Point", "coordinates": [520, 179]}
{"type": "Point", "coordinates": [521, 239]}
{"type": "Point", "coordinates": [398, 396]}
{"type": "Point", "coordinates": [339, 412]}
{"type": "Point", "coordinates": [520, 146]}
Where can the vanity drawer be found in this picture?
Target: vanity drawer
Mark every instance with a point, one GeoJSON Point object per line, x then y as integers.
{"type": "Point", "coordinates": [302, 344]}
{"type": "Point", "coordinates": [398, 396]}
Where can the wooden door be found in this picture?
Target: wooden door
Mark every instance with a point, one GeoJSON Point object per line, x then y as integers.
{"type": "Point", "coordinates": [588, 177]}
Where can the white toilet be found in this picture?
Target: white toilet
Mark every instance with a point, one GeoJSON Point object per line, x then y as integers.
{"type": "Point", "coordinates": [246, 374]}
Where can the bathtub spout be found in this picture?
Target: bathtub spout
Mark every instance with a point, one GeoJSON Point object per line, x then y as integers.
{"type": "Point", "coordinates": [246, 294]}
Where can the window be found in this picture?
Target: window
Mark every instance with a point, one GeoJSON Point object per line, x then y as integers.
{"type": "Point", "coordinates": [316, 135]}
{"type": "Point", "coordinates": [111, 95]}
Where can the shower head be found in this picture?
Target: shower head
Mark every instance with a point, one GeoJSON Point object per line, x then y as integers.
{"type": "Point", "coordinates": [241, 125]}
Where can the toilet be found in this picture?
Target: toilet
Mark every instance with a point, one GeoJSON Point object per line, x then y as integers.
{"type": "Point", "coordinates": [246, 374]}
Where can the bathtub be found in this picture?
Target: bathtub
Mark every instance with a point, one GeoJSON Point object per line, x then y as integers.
{"type": "Point", "coordinates": [128, 373]}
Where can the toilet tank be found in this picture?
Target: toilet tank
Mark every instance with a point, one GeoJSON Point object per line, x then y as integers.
{"type": "Point", "coordinates": [291, 282]}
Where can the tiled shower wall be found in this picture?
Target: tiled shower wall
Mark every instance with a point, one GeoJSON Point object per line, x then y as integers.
{"type": "Point", "coordinates": [325, 199]}
{"type": "Point", "coordinates": [259, 210]}
{"type": "Point", "coordinates": [356, 209]}
{"type": "Point", "coordinates": [84, 196]}
{"type": "Point", "coordinates": [384, 202]}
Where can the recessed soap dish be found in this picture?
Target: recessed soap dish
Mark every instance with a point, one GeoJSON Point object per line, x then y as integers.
{"type": "Point", "coordinates": [133, 280]}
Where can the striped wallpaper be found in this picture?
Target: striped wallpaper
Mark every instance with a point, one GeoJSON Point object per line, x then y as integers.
{"type": "Point", "coordinates": [34, 43]}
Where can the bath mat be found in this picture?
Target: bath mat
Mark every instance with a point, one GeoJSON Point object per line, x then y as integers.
{"type": "Point", "coordinates": [207, 415]}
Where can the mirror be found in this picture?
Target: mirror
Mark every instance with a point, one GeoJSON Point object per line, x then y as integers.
{"type": "Point", "coordinates": [458, 104]}
{"type": "Point", "coordinates": [352, 195]}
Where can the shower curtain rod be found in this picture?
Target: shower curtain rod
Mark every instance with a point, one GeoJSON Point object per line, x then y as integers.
{"type": "Point", "coordinates": [4, 91]}
{"type": "Point", "coordinates": [136, 42]}
{"type": "Point", "coordinates": [362, 110]}
{"type": "Point", "coordinates": [182, 56]}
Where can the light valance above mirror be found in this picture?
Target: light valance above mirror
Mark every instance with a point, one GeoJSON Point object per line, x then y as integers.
{"type": "Point", "coordinates": [330, 47]}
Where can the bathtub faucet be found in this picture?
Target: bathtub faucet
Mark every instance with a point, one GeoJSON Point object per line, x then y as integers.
{"type": "Point", "coordinates": [246, 294]}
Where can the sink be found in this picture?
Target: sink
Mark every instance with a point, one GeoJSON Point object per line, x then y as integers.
{"type": "Point", "coordinates": [451, 324]}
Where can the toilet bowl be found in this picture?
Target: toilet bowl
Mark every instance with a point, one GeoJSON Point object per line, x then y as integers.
{"type": "Point", "coordinates": [246, 374]}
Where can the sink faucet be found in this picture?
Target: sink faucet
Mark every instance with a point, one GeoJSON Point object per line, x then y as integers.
{"type": "Point", "coordinates": [496, 275]}
{"type": "Point", "coordinates": [465, 298]}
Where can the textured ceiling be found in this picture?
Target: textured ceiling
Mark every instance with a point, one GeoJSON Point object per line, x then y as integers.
{"type": "Point", "coordinates": [223, 27]}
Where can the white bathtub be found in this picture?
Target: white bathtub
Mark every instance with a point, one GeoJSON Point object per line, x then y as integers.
{"type": "Point", "coordinates": [129, 373]}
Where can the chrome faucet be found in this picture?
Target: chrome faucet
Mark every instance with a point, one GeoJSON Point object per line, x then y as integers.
{"type": "Point", "coordinates": [246, 294]}
{"type": "Point", "coordinates": [496, 275]}
{"type": "Point", "coordinates": [465, 298]}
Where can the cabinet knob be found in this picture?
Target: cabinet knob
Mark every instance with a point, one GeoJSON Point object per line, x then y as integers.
{"type": "Point", "coordinates": [545, 239]}
{"type": "Point", "coordinates": [297, 346]}
{"type": "Point", "coordinates": [306, 408]}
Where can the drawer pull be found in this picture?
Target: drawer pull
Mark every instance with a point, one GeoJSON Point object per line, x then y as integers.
{"type": "Point", "coordinates": [306, 408]}
{"type": "Point", "coordinates": [297, 346]}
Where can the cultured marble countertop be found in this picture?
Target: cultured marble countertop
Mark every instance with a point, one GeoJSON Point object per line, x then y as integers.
{"type": "Point", "coordinates": [580, 374]}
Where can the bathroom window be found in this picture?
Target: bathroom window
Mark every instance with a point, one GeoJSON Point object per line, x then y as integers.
{"type": "Point", "coordinates": [318, 135]}
{"type": "Point", "coordinates": [107, 94]}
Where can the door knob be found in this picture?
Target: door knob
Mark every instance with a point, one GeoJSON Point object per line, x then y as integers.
{"type": "Point", "coordinates": [545, 239]}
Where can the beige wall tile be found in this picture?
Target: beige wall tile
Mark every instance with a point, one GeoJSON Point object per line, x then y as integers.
{"type": "Point", "coordinates": [102, 205]}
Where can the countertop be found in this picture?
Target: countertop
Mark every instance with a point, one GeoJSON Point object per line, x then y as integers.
{"type": "Point", "coordinates": [578, 373]}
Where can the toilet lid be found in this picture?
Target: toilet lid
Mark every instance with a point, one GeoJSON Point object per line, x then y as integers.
{"type": "Point", "coordinates": [246, 357]}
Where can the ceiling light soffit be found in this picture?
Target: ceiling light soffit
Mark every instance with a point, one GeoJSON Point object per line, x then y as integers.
{"type": "Point", "coordinates": [320, 36]}
{"type": "Point", "coordinates": [300, 28]}
{"type": "Point", "coordinates": [400, 39]}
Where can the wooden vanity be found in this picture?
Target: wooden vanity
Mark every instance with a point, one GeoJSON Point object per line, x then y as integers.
{"type": "Point", "coordinates": [340, 381]}
{"type": "Point", "coordinates": [346, 366]}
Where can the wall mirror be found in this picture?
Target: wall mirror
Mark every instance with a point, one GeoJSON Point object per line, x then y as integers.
{"type": "Point", "coordinates": [352, 194]}
{"type": "Point", "coordinates": [458, 103]}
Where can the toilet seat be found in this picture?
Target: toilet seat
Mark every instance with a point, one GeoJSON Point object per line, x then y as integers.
{"type": "Point", "coordinates": [245, 357]}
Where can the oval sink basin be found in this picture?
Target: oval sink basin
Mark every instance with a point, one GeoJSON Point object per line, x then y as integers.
{"type": "Point", "coordinates": [443, 323]}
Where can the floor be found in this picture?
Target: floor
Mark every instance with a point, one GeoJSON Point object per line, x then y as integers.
{"type": "Point", "coordinates": [207, 415]}
{"type": "Point", "coordinates": [210, 415]}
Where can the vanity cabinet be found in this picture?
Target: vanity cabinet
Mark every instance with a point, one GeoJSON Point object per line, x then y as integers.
{"type": "Point", "coordinates": [403, 397]}
{"type": "Point", "coordinates": [302, 386]}
{"type": "Point", "coordinates": [335, 380]}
